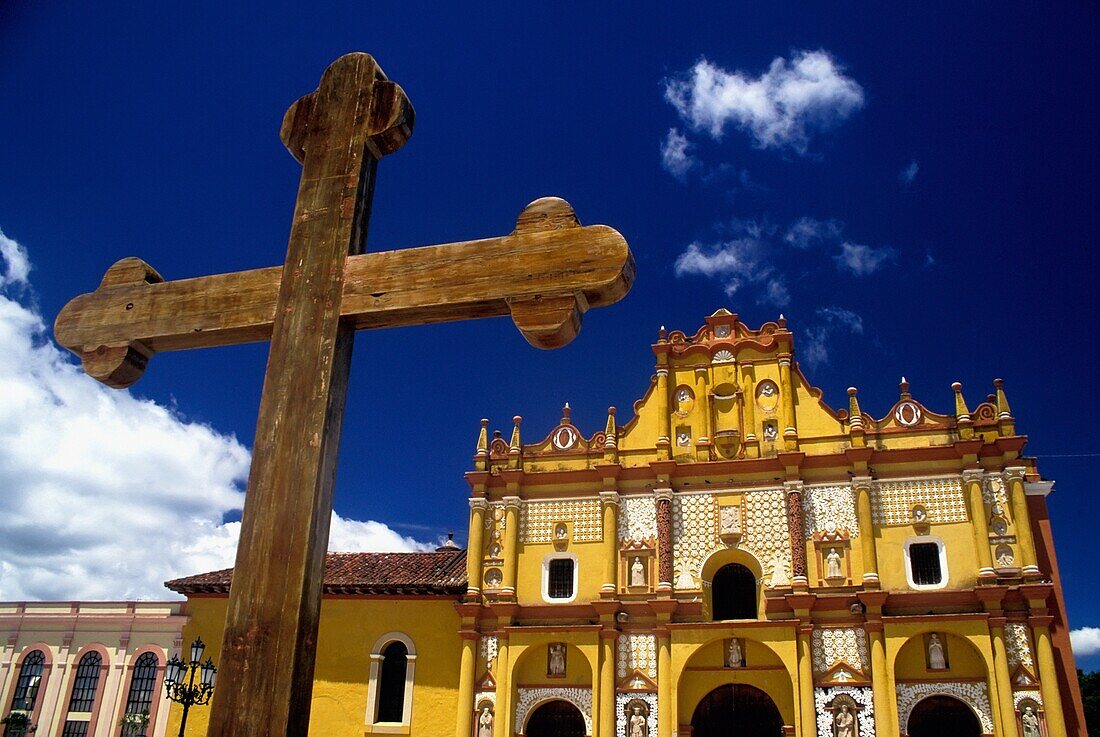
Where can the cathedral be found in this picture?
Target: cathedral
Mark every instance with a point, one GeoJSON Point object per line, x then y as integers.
{"type": "Point", "coordinates": [737, 557]}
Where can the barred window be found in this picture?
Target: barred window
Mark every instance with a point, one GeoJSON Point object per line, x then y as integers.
{"type": "Point", "coordinates": [84, 687]}
{"type": "Point", "coordinates": [142, 683]}
{"type": "Point", "coordinates": [924, 562]}
{"type": "Point", "coordinates": [560, 583]}
{"type": "Point", "coordinates": [30, 674]}
{"type": "Point", "coordinates": [75, 729]}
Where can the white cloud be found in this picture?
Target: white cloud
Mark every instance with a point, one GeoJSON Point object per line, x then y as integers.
{"type": "Point", "coordinates": [106, 495]}
{"type": "Point", "coordinates": [909, 173]}
{"type": "Point", "coordinates": [780, 108]}
{"type": "Point", "coordinates": [676, 155]}
{"type": "Point", "coordinates": [862, 260]}
{"type": "Point", "coordinates": [1085, 640]}
{"type": "Point", "coordinates": [15, 267]}
{"type": "Point", "coordinates": [807, 231]}
{"type": "Point", "coordinates": [813, 349]}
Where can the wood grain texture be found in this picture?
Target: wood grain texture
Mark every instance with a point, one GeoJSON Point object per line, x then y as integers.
{"type": "Point", "coordinates": [548, 257]}
{"type": "Point", "coordinates": [274, 602]}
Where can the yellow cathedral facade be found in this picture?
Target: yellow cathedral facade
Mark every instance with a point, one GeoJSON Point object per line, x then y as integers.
{"type": "Point", "coordinates": [738, 558]}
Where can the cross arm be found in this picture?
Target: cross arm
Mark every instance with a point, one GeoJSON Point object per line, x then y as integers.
{"type": "Point", "coordinates": [546, 274]}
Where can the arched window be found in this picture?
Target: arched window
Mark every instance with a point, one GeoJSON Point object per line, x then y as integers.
{"type": "Point", "coordinates": [143, 681]}
{"type": "Point", "coordinates": [389, 693]}
{"type": "Point", "coordinates": [26, 686]}
{"type": "Point", "coordinates": [391, 684]}
{"type": "Point", "coordinates": [82, 699]}
{"type": "Point", "coordinates": [733, 593]}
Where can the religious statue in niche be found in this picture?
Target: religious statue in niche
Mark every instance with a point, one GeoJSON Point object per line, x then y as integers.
{"type": "Point", "coordinates": [832, 564]}
{"type": "Point", "coordinates": [493, 578]}
{"type": "Point", "coordinates": [561, 531]}
{"type": "Point", "coordinates": [735, 655]}
{"type": "Point", "coordinates": [1005, 558]}
{"type": "Point", "coordinates": [495, 550]}
{"type": "Point", "coordinates": [1030, 721]}
{"type": "Point", "coordinates": [844, 722]}
{"type": "Point", "coordinates": [485, 722]}
{"type": "Point", "coordinates": [555, 660]}
{"type": "Point", "coordinates": [684, 400]}
{"type": "Point", "coordinates": [920, 515]}
{"type": "Point", "coordinates": [683, 438]}
{"type": "Point", "coordinates": [771, 431]}
{"type": "Point", "coordinates": [937, 659]}
{"type": "Point", "coordinates": [638, 724]}
{"type": "Point", "coordinates": [767, 396]}
{"type": "Point", "coordinates": [1000, 526]}
{"type": "Point", "coordinates": [637, 572]}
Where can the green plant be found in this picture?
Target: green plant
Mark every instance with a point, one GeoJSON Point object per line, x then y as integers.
{"type": "Point", "coordinates": [18, 722]}
{"type": "Point", "coordinates": [136, 721]}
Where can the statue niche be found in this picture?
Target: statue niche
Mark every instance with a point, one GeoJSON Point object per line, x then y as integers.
{"type": "Point", "coordinates": [637, 718]}
{"type": "Point", "coordinates": [844, 716]}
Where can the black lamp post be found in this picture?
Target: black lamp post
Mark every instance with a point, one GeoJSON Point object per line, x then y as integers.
{"type": "Point", "coordinates": [190, 694]}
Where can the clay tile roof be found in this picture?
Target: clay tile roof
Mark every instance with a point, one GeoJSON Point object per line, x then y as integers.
{"type": "Point", "coordinates": [442, 573]}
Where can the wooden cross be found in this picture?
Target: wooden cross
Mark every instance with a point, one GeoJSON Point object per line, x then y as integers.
{"type": "Point", "coordinates": [546, 274]}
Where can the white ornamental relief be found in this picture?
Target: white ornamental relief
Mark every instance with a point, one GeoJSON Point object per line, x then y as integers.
{"type": "Point", "coordinates": [694, 536]}
{"type": "Point", "coordinates": [490, 696]}
{"type": "Point", "coordinates": [637, 652]}
{"type": "Point", "coordinates": [488, 648]}
{"type": "Point", "coordinates": [831, 645]}
{"type": "Point", "coordinates": [622, 699]}
{"type": "Point", "coordinates": [722, 356]}
{"type": "Point", "coordinates": [1018, 647]}
{"type": "Point", "coordinates": [1018, 696]}
{"type": "Point", "coordinates": [829, 508]}
{"type": "Point", "coordinates": [638, 518]}
{"type": "Point", "coordinates": [766, 533]}
{"type": "Point", "coordinates": [942, 499]}
{"type": "Point", "coordinates": [972, 694]}
{"type": "Point", "coordinates": [537, 519]}
{"type": "Point", "coordinates": [529, 698]}
{"type": "Point", "coordinates": [994, 495]}
{"type": "Point", "coordinates": [864, 696]}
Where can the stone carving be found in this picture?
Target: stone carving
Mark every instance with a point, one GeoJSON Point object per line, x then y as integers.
{"type": "Point", "coordinates": [493, 578]}
{"type": "Point", "coordinates": [637, 653]}
{"type": "Point", "coordinates": [780, 577]}
{"type": "Point", "coordinates": [994, 495]}
{"type": "Point", "coordinates": [723, 357]}
{"type": "Point", "coordinates": [908, 414]}
{"type": "Point", "coordinates": [683, 438]}
{"type": "Point", "coordinates": [529, 698]}
{"type": "Point", "coordinates": [832, 564]}
{"type": "Point", "coordinates": [685, 399]}
{"type": "Point", "coordinates": [973, 694]}
{"type": "Point", "coordinates": [767, 389]}
{"type": "Point", "coordinates": [485, 722]}
{"type": "Point", "coordinates": [537, 520]}
{"type": "Point", "coordinates": [1018, 697]}
{"type": "Point", "coordinates": [771, 431]}
{"type": "Point", "coordinates": [638, 723]}
{"type": "Point", "coordinates": [624, 709]}
{"type": "Point", "coordinates": [766, 533]}
{"type": "Point", "coordinates": [555, 659]}
{"type": "Point", "coordinates": [1030, 721]}
{"type": "Point", "coordinates": [729, 522]}
{"type": "Point", "coordinates": [1000, 526]}
{"type": "Point", "coordinates": [664, 539]}
{"type": "Point", "coordinates": [942, 498]}
{"type": "Point", "coordinates": [844, 722]}
{"type": "Point", "coordinates": [864, 719]}
{"type": "Point", "coordinates": [1005, 558]}
{"type": "Point", "coordinates": [637, 519]}
{"type": "Point", "coordinates": [936, 659]}
{"type": "Point", "coordinates": [1018, 646]}
{"type": "Point", "coordinates": [797, 531]}
{"type": "Point", "coordinates": [831, 645]}
{"type": "Point", "coordinates": [637, 573]}
{"type": "Point", "coordinates": [735, 656]}
{"type": "Point", "coordinates": [488, 648]}
{"type": "Point", "coordinates": [828, 509]}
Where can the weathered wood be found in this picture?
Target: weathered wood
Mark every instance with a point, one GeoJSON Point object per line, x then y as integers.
{"type": "Point", "coordinates": [547, 273]}
{"type": "Point", "coordinates": [269, 645]}
{"type": "Point", "coordinates": [547, 260]}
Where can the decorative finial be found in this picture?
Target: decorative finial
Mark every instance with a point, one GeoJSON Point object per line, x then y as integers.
{"type": "Point", "coordinates": [662, 335]}
{"type": "Point", "coordinates": [903, 387]}
{"type": "Point", "coordinates": [1005, 421]}
{"type": "Point", "coordinates": [565, 414]}
{"type": "Point", "coordinates": [855, 417]}
{"type": "Point", "coordinates": [483, 440]}
{"type": "Point", "coordinates": [962, 413]}
{"type": "Point", "coordinates": [782, 321]}
{"type": "Point", "coordinates": [611, 440]}
{"type": "Point", "coordinates": [513, 446]}
{"type": "Point", "coordinates": [449, 545]}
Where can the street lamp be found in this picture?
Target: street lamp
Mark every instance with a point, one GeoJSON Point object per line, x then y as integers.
{"type": "Point", "coordinates": [190, 694]}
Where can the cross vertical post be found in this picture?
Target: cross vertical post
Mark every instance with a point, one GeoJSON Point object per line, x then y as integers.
{"type": "Point", "coordinates": [338, 132]}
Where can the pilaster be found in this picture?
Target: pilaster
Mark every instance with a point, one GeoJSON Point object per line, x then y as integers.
{"type": "Point", "coordinates": [797, 531]}
{"type": "Point", "coordinates": [609, 507]}
{"type": "Point", "coordinates": [972, 479]}
{"type": "Point", "coordinates": [1021, 519]}
{"type": "Point", "coordinates": [475, 546]}
{"type": "Point", "coordinates": [511, 543]}
{"type": "Point", "coordinates": [868, 548]}
{"type": "Point", "coordinates": [664, 540]}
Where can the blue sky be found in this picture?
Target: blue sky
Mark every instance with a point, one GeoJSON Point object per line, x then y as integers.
{"type": "Point", "coordinates": [914, 187]}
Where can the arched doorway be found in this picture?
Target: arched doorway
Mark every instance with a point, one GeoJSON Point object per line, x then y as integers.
{"type": "Point", "coordinates": [733, 593]}
{"type": "Point", "coordinates": [943, 716]}
{"type": "Point", "coordinates": [555, 719]}
{"type": "Point", "coordinates": [750, 709]}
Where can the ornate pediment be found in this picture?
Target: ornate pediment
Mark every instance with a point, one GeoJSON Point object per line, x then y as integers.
{"type": "Point", "coordinates": [636, 680]}
{"type": "Point", "coordinates": [842, 674]}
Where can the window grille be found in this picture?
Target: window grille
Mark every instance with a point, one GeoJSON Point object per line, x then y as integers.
{"type": "Point", "coordinates": [391, 687]}
{"type": "Point", "coordinates": [84, 687]}
{"type": "Point", "coordinates": [924, 564]}
{"type": "Point", "coordinates": [142, 683]}
{"type": "Point", "coordinates": [560, 584]}
{"type": "Point", "coordinates": [75, 729]}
